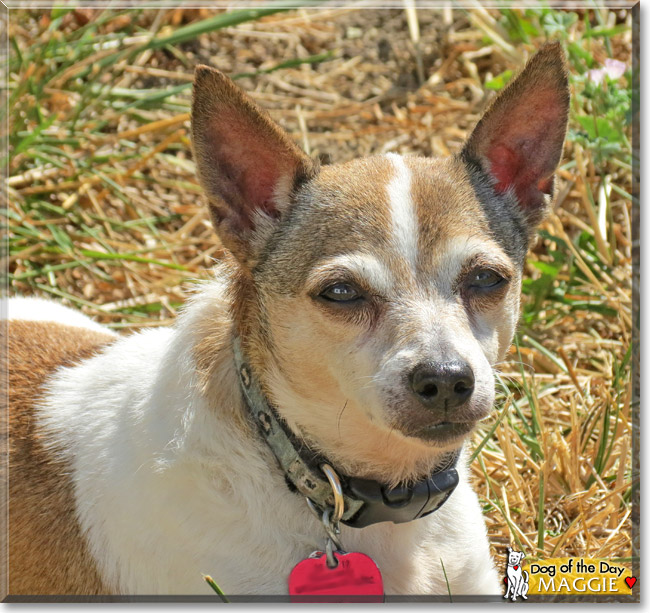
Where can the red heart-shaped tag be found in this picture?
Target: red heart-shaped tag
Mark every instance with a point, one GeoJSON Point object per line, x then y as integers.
{"type": "Point", "coordinates": [516, 567]}
{"type": "Point", "coordinates": [630, 581]}
{"type": "Point", "coordinates": [355, 579]}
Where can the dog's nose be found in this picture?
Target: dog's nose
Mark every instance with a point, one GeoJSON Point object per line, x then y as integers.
{"type": "Point", "coordinates": [442, 385]}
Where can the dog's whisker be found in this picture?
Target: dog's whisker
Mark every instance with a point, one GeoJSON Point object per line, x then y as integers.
{"type": "Point", "coordinates": [338, 421]}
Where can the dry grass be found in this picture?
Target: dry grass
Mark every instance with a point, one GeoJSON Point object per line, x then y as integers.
{"type": "Point", "coordinates": [105, 213]}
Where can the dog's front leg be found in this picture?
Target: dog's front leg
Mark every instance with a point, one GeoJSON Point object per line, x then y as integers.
{"type": "Point", "coordinates": [524, 585]}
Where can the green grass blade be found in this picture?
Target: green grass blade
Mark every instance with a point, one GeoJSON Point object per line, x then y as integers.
{"type": "Point", "coordinates": [99, 255]}
{"type": "Point", "coordinates": [32, 136]}
{"type": "Point", "coordinates": [540, 517]}
{"type": "Point", "coordinates": [495, 503]}
{"type": "Point", "coordinates": [544, 351]}
{"type": "Point", "coordinates": [488, 435]}
{"type": "Point", "coordinates": [312, 59]}
{"type": "Point", "coordinates": [68, 296]}
{"type": "Point", "coordinates": [224, 20]}
{"type": "Point", "coordinates": [210, 581]}
{"type": "Point", "coordinates": [444, 572]}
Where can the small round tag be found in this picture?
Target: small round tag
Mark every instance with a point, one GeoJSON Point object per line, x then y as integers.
{"type": "Point", "coordinates": [356, 579]}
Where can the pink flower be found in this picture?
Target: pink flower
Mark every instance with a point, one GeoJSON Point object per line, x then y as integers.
{"type": "Point", "coordinates": [597, 75]}
{"type": "Point", "coordinates": [613, 69]}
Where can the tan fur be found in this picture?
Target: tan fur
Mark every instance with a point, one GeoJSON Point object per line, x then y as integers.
{"type": "Point", "coordinates": [47, 553]}
{"type": "Point", "coordinates": [446, 205]}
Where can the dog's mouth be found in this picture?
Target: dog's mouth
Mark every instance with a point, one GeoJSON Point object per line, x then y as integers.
{"type": "Point", "coordinates": [444, 431]}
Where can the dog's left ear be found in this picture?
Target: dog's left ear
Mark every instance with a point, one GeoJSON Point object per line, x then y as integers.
{"type": "Point", "coordinates": [247, 165]}
{"type": "Point", "coordinates": [518, 142]}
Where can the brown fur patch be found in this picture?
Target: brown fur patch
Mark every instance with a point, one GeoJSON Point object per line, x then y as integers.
{"type": "Point", "coordinates": [343, 210]}
{"type": "Point", "coordinates": [446, 206]}
{"type": "Point", "coordinates": [47, 553]}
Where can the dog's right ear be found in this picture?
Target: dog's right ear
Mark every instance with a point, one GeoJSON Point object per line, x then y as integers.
{"type": "Point", "coordinates": [247, 165]}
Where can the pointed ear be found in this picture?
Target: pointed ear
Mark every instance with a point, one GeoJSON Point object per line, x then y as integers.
{"type": "Point", "coordinates": [518, 142]}
{"type": "Point", "coordinates": [247, 165]}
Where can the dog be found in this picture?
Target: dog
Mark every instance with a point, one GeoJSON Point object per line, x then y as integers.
{"type": "Point", "coordinates": [517, 577]}
{"type": "Point", "coordinates": [347, 340]}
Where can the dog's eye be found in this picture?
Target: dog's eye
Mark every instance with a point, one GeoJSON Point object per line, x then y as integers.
{"type": "Point", "coordinates": [485, 279]}
{"type": "Point", "coordinates": [341, 292]}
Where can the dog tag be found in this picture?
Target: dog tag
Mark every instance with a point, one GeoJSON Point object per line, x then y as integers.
{"type": "Point", "coordinates": [356, 579]}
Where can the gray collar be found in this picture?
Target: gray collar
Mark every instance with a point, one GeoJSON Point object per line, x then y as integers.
{"type": "Point", "coordinates": [366, 501]}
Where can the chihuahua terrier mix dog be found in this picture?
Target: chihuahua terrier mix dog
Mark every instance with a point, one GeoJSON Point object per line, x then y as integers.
{"type": "Point", "coordinates": [342, 354]}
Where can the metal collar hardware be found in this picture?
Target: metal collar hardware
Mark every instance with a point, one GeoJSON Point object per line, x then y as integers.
{"type": "Point", "coordinates": [354, 501]}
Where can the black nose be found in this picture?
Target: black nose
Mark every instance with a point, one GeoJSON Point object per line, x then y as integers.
{"type": "Point", "coordinates": [442, 385]}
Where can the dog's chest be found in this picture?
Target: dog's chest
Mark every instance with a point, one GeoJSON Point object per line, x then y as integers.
{"type": "Point", "coordinates": [268, 549]}
{"type": "Point", "coordinates": [248, 539]}
{"type": "Point", "coordinates": [258, 558]}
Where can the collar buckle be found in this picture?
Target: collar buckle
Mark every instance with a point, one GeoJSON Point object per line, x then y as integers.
{"type": "Point", "coordinates": [400, 504]}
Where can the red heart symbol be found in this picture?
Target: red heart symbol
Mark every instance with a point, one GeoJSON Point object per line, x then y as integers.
{"type": "Point", "coordinates": [630, 581]}
{"type": "Point", "coordinates": [356, 577]}
{"type": "Point", "coordinates": [516, 567]}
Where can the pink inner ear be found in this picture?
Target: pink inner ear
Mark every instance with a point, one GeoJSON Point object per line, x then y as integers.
{"type": "Point", "coordinates": [505, 165]}
{"type": "Point", "coordinates": [259, 185]}
{"type": "Point", "coordinates": [511, 169]}
{"type": "Point", "coordinates": [251, 165]}
{"type": "Point", "coordinates": [522, 151]}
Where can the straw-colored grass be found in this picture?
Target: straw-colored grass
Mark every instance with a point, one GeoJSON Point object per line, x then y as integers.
{"type": "Point", "coordinates": [105, 212]}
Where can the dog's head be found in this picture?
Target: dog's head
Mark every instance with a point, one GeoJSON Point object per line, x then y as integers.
{"type": "Point", "coordinates": [514, 557]}
{"type": "Point", "coordinates": [373, 297]}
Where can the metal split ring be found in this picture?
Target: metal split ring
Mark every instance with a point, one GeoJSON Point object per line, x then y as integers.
{"type": "Point", "coordinates": [332, 561]}
{"type": "Point", "coordinates": [331, 516]}
{"type": "Point", "coordinates": [332, 529]}
{"type": "Point", "coordinates": [337, 490]}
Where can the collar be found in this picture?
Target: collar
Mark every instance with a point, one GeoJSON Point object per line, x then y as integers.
{"type": "Point", "coordinates": [366, 501]}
